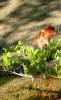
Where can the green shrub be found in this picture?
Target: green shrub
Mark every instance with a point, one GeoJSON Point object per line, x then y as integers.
{"type": "Point", "coordinates": [33, 60]}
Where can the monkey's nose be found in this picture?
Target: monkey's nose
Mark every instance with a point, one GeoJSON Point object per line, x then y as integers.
{"type": "Point", "coordinates": [54, 33]}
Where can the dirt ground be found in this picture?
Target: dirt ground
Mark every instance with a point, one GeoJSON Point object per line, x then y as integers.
{"type": "Point", "coordinates": [23, 19]}
{"type": "Point", "coordinates": [16, 88]}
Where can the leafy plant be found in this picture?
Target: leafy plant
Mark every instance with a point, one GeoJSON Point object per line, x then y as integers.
{"type": "Point", "coordinates": [33, 60]}
{"type": "Point", "coordinates": [7, 61]}
{"type": "Point", "coordinates": [54, 51]}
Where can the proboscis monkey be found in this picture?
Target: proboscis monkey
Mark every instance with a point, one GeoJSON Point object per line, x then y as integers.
{"type": "Point", "coordinates": [44, 36]}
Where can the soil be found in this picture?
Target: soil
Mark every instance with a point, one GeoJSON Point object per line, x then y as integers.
{"type": "Point", "coordinates": [22, 19]}
{"type": "Point", "coordinates": [16, 88]}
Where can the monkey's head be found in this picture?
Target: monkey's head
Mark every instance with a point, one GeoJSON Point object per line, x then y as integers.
{"type": "Point", "coordinates": [49, 32]}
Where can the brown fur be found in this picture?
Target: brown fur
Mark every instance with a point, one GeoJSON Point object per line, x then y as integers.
{"type": "Point", "coordinates": [46, 34]}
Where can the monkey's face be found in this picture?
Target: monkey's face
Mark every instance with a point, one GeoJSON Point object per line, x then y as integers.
{"type": "Point", "coordinates": [49, 33]}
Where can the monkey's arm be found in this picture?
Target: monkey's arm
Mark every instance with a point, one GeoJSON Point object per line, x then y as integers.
{"type": "Point", "coordinates": [39, 35]}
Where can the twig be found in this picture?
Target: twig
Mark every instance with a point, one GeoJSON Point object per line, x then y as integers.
{"type": "Point", "coordinates": [24, 75]}
{"type": "Point", "coordinates": [2, 66]}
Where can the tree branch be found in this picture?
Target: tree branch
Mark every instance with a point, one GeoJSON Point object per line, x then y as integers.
{"type": "Point", "coordinates": [24, 75]}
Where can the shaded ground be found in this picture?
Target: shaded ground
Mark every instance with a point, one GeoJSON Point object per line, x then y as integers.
{"type": "Point", "coordinates": [22, 19]}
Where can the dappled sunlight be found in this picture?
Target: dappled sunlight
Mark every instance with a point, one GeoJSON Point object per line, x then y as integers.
{"type": "Point", "coordinates": [20, 19]}
{"type": "Point", "coordinates": [7, 7]}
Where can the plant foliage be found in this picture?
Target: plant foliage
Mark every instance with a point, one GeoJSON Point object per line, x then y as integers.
{"type": "Point", "coordinates": [33, 60]}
